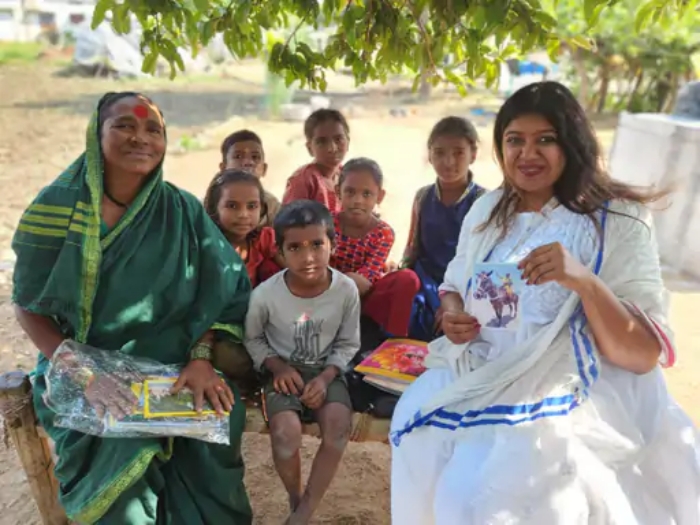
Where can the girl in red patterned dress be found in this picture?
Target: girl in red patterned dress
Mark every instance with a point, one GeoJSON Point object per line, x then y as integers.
{"type": "Point", "coordinates": [235, 202]}
{"type": "Point", "coordinates": [363, 243]}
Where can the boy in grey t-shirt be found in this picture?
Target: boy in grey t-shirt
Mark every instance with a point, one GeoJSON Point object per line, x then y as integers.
{"type": "Point", "coordinates": [303, 328]}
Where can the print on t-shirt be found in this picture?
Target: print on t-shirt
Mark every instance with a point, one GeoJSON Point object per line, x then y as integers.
{"type": "Point", "coordinates": [307, 340]}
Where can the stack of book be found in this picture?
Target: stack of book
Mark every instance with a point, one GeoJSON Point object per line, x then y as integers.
{"type": "Point", "coordinates": [160, 412]}
{"type": "Point", "coordinates": [394, 365]}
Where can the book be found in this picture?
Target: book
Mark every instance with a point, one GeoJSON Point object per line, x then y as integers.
{"type": "Point", "coordinates": [392, 386]}
{"type": "Point", "coordinates": [157, 408]}
{"type": "Point", "coordinates": [160, 403]}
{"type": "Point", "coordinates": [398, 359]}
{"type": "Point", "coordinates": [495, 295]}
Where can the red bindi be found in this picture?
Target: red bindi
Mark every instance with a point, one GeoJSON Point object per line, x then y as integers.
{"type": "Point", "coordinates": [141, 111]}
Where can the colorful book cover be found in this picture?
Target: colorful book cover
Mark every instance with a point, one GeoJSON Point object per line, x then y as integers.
{"type": "Point", "coordinates": [495, 295]}
{"type": "Point", "coordinates": [400, 359]}
{"type": "Point", "coordinates": [159, 402]}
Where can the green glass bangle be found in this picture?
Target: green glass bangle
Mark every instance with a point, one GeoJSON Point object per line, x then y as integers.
{"type": "Point", "coordinates": [201, 351]}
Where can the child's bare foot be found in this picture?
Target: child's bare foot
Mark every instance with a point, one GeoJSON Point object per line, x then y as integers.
{"type": "Point", "coordinates": [298, 518]}
{"type": "Point", "coordinates": [294, 500]}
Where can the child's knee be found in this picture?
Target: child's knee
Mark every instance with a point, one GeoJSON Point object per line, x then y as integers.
{"type": "Point", "coordinates": [409, 280]}
{"type": "Point", "coordinates": [337, 427]}
{"type": "Point", "coordinates": [285, 434]}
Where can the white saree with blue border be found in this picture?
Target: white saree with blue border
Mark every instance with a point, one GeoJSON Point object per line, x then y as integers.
{"type": "Point", "coordinates": [553, 390]}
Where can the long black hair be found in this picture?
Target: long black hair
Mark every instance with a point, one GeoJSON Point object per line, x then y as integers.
{"type": "Point", "coordinates": [584, 186]}
{"type": "Point", "coordinates": [362, 164]}
{"type": "Point", "coordinates": [224, 178]}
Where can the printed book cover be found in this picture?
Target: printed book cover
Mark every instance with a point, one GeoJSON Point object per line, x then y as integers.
{"type": "Point", "coordinates": [400, 359]}
{"type": "Point", "coordinates": [159, 402]}
{"type": "Point", "coordinates": [495, 295]}
{"type": "Point", "coordinates": [156, 403]}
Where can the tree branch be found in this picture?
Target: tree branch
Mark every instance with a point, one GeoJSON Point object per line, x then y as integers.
{"type": "Point", "coordinates": [294, 32]}
{"type": "Point", "coordinates": [426, 37]}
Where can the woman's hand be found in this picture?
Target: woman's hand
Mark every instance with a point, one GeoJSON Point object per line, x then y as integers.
{"type": "Point", "coordinates": [460, 327]}
{"type": "Point", "coordinates": [315, 393]}
{"type": "Point", "coordinates": [200, 377]}
{"type": "Point", "coordinates": [552, 263]}
{"type": "Point", "coordinates": [106, 393]}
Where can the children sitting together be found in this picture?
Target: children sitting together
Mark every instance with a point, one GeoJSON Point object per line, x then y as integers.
{"type": "Point", "coordinates": [320, 263]}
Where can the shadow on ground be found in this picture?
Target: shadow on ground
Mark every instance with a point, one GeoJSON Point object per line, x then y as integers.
{"type": "Point", "coordinates": [192, 105]}
{"type": "Point", "coordinates": [195, 108]}
{"type": "Point", "coordinates": [181, 109]}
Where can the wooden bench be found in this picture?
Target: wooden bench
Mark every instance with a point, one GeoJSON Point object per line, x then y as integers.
{"type": "Point", "coordinates": [34, 450]}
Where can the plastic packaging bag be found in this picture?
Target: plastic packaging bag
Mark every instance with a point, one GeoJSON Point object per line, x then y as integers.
{"type": "Point", "coordinates": [112, 394]}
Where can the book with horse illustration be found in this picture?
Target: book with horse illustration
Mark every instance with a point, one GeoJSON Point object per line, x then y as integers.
{"type": "Point", "coordinates": [495, 295]}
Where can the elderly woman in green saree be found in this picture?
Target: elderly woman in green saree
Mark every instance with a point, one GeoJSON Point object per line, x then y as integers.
{"type": "Point", "coordinates": [112, 256]}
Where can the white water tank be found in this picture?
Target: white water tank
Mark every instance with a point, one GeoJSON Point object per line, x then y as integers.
{"type": "Point", "coordinates": [664, 150]}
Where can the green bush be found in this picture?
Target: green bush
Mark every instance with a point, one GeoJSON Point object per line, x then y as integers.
{"type": "Point", "coordinates": [19, 52]}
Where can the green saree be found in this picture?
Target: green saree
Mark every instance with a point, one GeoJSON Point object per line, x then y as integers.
{"type": "Point", "coordinates": [151, 286]}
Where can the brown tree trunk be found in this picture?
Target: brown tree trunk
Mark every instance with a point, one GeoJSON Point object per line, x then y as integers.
{"type": "Point", "coordinates": [636, 86]}
{"type": "Point", "coordinates": [604, 88]}
{"type": "Point", "coordinates": [584, 90]}
{"type": "Point", "coordinates": [672, 94]}
{"type": "Point", "coordinates": [425, 89]}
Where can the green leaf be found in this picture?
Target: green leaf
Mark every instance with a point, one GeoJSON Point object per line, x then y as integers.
{"type": "Point", "coordinates": [553, 47]}
{"type": "Point", "coordinates": [98, 15]}
{"type": "Point", "coordinates": [580, 41]}
{"type": "Point", "coordinates": [416, 82]}
{"type": "Point", "coordinates": [643, 16]}
{"type": "Point", "coordinates": [202, 6]}
{"type": "Point", "coordinates": [149, 62]}
{"type": "Point", "coordinates": [121, 21]}
{"type": "Point", "coordinates": [591, 9]}
{"type": "Point", "coordinates": [380, 38]}
{"type": "Point", "coordinates": [207, 31]}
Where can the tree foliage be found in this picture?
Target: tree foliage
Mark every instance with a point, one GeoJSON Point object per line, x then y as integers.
{"type": "Point", "coordinates": [636, 70]}
{"type": "Point", "coordinates": [374, 38]}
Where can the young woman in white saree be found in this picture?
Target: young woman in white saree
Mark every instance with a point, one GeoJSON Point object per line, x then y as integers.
{"type": "Point", "coordinates": [567, 420]}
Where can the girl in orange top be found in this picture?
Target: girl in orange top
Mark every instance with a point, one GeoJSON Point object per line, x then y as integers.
{"type": "Point", "coordinates": [234, 201]}
{"type": "Point", "coordinates": [327, 139]}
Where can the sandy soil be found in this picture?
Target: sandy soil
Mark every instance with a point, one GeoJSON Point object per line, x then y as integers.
{"type": "Point", "coordinates": [42, 123]}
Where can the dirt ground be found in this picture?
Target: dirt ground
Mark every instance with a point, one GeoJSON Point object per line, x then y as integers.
{"type": "Point", "coordinates": [42, 124]}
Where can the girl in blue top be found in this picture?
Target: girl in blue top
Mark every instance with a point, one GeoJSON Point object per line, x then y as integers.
{"type": "Point", "coordinates": [438, 212]}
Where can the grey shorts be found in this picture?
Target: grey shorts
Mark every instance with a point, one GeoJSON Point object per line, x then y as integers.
{"type": "Point", "coordinates": [274, 402]}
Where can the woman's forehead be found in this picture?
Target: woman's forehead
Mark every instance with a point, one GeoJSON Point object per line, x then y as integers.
{"type": "Point", "coordinates": [134, 106]}
{"type": "Point", "coordinates": [529, 123]}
